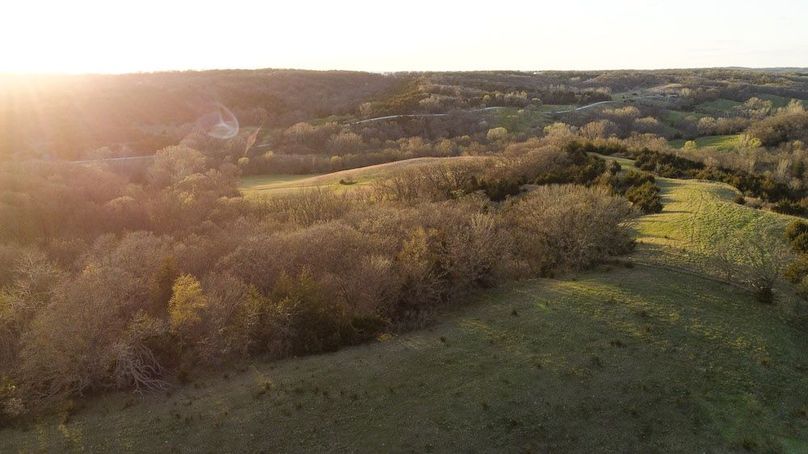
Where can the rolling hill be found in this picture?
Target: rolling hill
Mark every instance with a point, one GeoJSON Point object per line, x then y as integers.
{"type": "Point", "coordinates": [648, 355]}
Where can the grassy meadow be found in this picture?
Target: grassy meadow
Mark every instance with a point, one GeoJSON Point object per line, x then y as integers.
{"type": "Point", "coordinates": [629, 357]}
{"type": "Point", "coordinates": [700, 214]}
{"type": "Point", "coordinates": [725, 142]}
{"type": "Point", "coordinates": [718, 106]}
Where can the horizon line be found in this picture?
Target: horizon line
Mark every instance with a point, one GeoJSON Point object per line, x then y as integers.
{"type": "Point", "coordinates": [399, 71]}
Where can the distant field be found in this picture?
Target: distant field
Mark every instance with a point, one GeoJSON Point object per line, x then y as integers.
{"type": "Point", "coordinates": [727, 142]}
{"type": "Point", "coordinates": [647, 359]}
{"type": "Point", "coordinates": [724, 106]}
{"type": "Point", "coordinates": [523, 120]}
{"type": "Point", "coordinates": [780, 101]}
{"type": "Point", "coordinates": [260, 182]}
{"type": "Point", "coordinates": [263, 185]}
{"type": "Point", "coordinates": [719, 106]}
{"type": "Point", "coordinates": [672, 116]}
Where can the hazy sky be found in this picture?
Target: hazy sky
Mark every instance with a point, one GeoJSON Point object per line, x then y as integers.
{"type": "Point", "coordinates": [146, 35]}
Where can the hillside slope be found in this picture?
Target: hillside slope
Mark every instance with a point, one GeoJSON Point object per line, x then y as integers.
{"type": "Point", "coordinates": [263, 185]}
{"type": "Point", "coordinates": [642, 359]}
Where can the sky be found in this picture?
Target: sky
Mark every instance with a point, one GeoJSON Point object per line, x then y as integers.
{"type": "Point", "coordinates": [118, 36]}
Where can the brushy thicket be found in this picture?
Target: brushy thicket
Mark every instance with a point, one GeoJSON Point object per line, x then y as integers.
{"type": "Point", "coordinates": [116, 284]}
{"type": "Point", "coordinates": [788, 198]}
{"type": "Point", "coordinates": [797, 272]}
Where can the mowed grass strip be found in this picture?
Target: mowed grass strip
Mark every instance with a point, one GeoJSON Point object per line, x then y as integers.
{"type": "Point", "coordinates": [698, 217]}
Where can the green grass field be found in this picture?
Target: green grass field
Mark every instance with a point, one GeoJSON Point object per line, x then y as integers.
{"type": "Point", "coordinates": [718, 106]}
{"type": "Point", "coordinates": [524, 120]}
{"type": "Point", "coordinates": [618, 359]}
{"type": "Point", "coordinates": [671, 117]}
{"type": "Point", "coordinates": [727, 142]}
{"type": "Point", "coordinates": [779, 101]}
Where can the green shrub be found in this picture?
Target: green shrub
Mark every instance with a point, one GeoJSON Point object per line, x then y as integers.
{"type": "Point", "coordinates": [795, 229]}
{"type": "Point", "coordinates": [786, 206]}
{"type": "Point", "coordinates": [797, 269]}
{"type": "Point", "coordinates": [645, 197]}
{"type": "Point", "coordinates": [800, 243]}
{"type": "Point", "coordinates": [765, 295]}
{"type": "Point", "coordinates": [316, 322]}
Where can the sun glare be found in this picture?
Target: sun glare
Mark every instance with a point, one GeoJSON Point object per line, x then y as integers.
{"type": "Point", "coordinates": [113, 37]}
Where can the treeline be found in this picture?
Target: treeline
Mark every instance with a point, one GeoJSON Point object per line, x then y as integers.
{"type": "Point", "coordinates": [112, 283]}
{"type": "Point", "coordinates": [125, 115]}
{"type": "Point", "coordinates": [141, 113]}
{"type": "Point", "coordinates": [788, 125]}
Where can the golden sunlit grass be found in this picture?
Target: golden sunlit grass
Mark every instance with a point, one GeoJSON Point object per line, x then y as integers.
{"type": "Point", "coordinates": [700, 215]}
{"type": "Point", "coordinates": [268, 185]}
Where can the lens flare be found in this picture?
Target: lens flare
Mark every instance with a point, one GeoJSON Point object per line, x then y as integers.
{"type": "Point", "coordinates": [220, 123]}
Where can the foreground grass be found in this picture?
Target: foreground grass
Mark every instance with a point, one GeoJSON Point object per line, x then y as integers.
{"type": "Point", "coordinates": [637, 360]}
{"type": "Point", "coordinates": [643, 359]}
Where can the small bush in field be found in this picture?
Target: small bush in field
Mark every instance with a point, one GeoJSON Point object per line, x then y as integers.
{"type": "Point", "coordinates": [798, 269]}
{"type": "Point", "coordinates": [645, 197]}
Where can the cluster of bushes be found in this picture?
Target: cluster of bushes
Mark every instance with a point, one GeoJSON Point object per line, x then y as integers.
{"type": "Point", "coordinates": [666, 165]}
{"type": "Point", "coordinates": [180, 271]}
{"type": "Point", "coordinates": [639, 188]}
{"type": "Point", "coordinates": [506, 176]}
{"type": "Point", "coordinates": [797, 271]}
{"type": "Point", "coordinates": [790, 124]}
{"type": "Point", "coordinates": [783, 197]}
